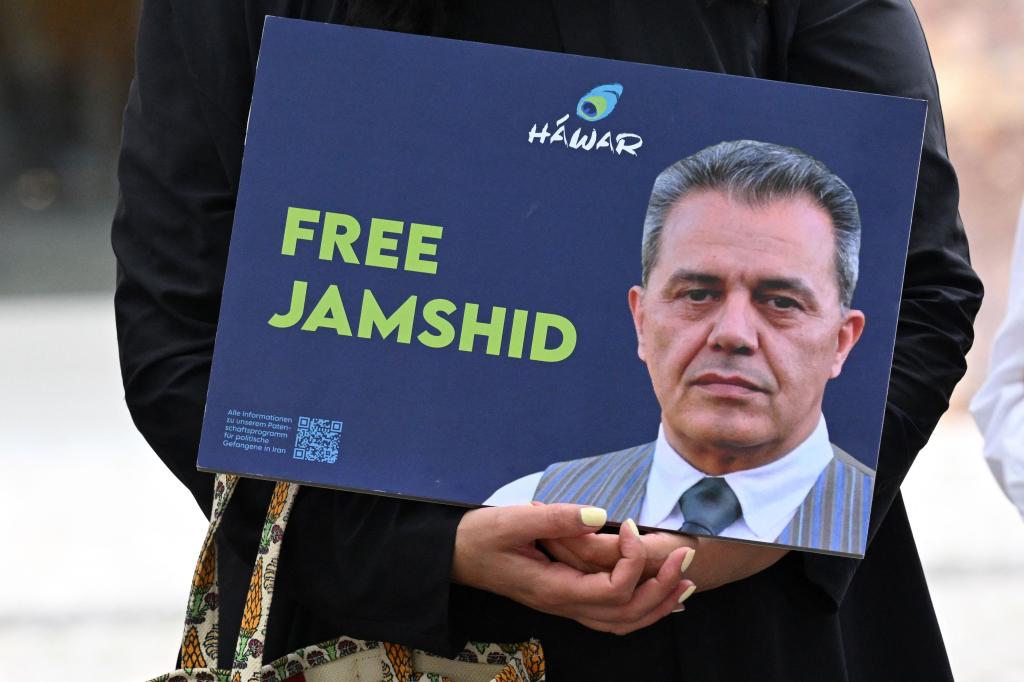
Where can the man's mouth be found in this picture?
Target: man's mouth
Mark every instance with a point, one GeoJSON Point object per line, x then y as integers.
{"type": "Point", "coordinates": [727, 384]}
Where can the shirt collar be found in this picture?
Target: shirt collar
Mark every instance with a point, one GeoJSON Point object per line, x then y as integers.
{"type": "Point", "coordinates": [768, 495]}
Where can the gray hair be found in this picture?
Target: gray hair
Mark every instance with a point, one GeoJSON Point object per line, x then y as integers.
{"type": "Point", "coordinates": [759, 173]}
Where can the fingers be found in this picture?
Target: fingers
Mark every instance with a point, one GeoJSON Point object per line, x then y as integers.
{"type": "Point", "coordinates": [619, 601]}
{"type": "Point", "coordinates": [526, 523]}
{"type": "Point", "coordinates": [659, 545]}
{"type": "Point", "coordinates": [670, 604]}
{"type": "Point", "coordinates": [608, 588]}
{"type": "Point", "coordinates": [588, 553]}
{"type": "Point", "coordinates": [495, 550]}
{"type": "Point", "coordinates": [652, 601]}
{"type": "Point", "coordinates": [599, 552]}
{"type": "Point", "coordinates": [649, 598]}
{"type": "Point", "coordinates": [630, 567]}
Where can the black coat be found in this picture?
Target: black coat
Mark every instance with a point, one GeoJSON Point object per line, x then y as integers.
{"type": "Point", "coordinates": [378, 568]}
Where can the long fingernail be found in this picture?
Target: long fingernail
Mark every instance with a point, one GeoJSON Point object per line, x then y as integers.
{"type": "Point", "coordinates": [632, 526]}
{"type": "Point", "coordinates": [686, 595]}
{"type": "Point", "coordinates": [679, 610]}
{"type": "Point", "coordinates": [687, 560]}
{"type": "Point", "coordinates": [595, 517]}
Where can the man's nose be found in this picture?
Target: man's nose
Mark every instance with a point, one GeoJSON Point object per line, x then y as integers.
{"type": "Point", "coordinates": [734, 328]}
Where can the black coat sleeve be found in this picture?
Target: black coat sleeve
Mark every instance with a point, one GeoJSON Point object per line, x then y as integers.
{"type": "Point", "coordinates": [183, 134]}
{"type": "Point", "coordinates": [878, 46]}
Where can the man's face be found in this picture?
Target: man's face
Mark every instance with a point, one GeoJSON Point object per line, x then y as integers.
{"type": "Point", "coordinates": [740, 327]}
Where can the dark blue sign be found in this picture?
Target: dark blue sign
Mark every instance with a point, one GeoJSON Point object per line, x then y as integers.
{"type": "Point", "coordinates": [434, 240]}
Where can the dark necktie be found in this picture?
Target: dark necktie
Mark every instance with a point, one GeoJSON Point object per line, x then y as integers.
{"type": "Point", "coordinates": [709, 507]}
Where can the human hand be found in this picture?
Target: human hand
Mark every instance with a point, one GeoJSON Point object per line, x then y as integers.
{"type": "Point", "coordinates": [495, 550]}
{"type": "Point", "coordinates": [716, 564]}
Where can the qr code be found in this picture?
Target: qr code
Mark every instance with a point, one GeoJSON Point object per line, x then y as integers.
{"type": "Point", "coordinates": [316, 440]}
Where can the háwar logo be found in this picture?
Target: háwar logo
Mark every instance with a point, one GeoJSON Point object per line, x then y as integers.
{"type": "Point", "coordinates": [594, 106]}
{"type": "Point", "coordinates": [599, 102]}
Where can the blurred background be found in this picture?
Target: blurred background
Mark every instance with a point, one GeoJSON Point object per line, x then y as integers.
{"type": "Point", "coordinates": [104, 539]}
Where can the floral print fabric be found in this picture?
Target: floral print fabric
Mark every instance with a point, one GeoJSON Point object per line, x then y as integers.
{"type": "Point", "coordinates": [338, 660]}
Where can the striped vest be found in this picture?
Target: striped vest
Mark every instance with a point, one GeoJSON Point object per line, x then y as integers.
{"type": "Point", "coordinates": [833, 516]}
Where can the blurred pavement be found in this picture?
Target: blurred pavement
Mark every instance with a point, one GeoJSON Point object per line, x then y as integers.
{"type": "Point", "coordinates": [104, 539]}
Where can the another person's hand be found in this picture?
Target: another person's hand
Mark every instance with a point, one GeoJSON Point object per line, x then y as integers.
{"type": "Point", "coordinates": [495, 550]}
{"type": "Point", "coordinates": [715, 564]}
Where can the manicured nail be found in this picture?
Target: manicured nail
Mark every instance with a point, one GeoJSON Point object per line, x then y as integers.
{"type": "Point", "coordinates": [595, 517]}
{"type": "Point", "coordinates": [679, 610]}
{"type": "Point", "coordinates": [632, 526]}
{"type": "Point", "coordinates": [686, 595]}
{"type": "Point", "coordinates": [687, 560]}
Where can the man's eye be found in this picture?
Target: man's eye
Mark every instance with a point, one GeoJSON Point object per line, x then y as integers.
{"type": "Point", "coordinates": [698, 295]}
{"type": "Point", "coordinates": [783, 303]}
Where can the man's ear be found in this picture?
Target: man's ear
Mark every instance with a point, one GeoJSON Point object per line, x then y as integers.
{"type": "Point", "coordinates": [636, 308]}
{"type": "Point", "coordinates": [849, 334]}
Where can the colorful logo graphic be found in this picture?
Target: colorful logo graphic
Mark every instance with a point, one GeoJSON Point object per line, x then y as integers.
{"type": "Point", "coordinates": [599, 102]}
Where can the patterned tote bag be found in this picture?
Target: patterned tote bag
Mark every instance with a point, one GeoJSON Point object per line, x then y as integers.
{"type": "Point", "coordinates": [343, 659]}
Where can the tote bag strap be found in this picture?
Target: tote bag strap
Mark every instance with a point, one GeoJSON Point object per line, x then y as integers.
{"type": "Point", "coordinates": [200, 643]}
{"type": "Point", "coordinates": [523, 662]}
{"type": "Point", "coordinates": [248, 659]}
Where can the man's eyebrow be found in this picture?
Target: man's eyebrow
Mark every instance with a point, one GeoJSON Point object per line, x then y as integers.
{"type": "Point", "coordinates": [694, 277]}
{"type": "Point", "coordinates": [793, 284]}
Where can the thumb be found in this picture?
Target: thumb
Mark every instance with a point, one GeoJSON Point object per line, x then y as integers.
{"type": "Point", "coordinates": [526, 523]}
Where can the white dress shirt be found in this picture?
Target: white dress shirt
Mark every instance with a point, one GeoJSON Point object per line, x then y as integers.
{"type": "Point", "coordinates": [769, 495]}
{"type": "Point", "coordinates": [998, 407]}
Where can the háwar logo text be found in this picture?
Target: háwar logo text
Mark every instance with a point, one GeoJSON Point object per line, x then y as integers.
{"type": "Point", "coordinates": [594, 106]}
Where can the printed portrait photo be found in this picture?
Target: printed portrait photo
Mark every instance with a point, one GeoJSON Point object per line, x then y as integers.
{"type": "Point", "coordinates": [743, 315]}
